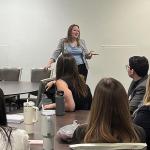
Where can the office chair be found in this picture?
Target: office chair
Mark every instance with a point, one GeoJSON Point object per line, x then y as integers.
{"type": "Point", "coordinates": [109, 146]}
{"type": "Point", "coordinates": [38, 74]}
{"type": "Point", "coordinates": [11, 74]}
{"type": "Point", "coordinates": [41, 90]}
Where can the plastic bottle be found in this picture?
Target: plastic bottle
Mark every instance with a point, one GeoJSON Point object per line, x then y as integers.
{"type": "Point", "coordinates": [60, 105]}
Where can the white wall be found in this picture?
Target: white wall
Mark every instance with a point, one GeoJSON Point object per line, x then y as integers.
{"type": "Point", "coordinates": [116, 29]}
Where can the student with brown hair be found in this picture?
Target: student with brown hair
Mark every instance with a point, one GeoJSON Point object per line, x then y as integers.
{"type": "Point", "coordinates": [77, 94]}
{"type": "Point", "coordinates": [10, 138]}
{"type": "Point", "coordinates": [109, 118]}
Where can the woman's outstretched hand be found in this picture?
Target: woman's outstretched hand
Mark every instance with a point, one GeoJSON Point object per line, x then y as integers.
{"type": "Point", "coordinates": [91, 53]}
{"type": "Point", "coordinates": [49, 64]}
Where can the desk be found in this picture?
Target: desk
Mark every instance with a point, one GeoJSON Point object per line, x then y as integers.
{"type": "Point", "coordinates": [61, 121]}
{"type": "Point", "coordinates": [18, 87]}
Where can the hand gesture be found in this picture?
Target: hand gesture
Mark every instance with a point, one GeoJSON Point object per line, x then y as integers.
{"type": "Point", "coordinates": [49, 85]}
{"type": "Point", "coordinates": [91, 53]}
{"type": "Point", "coordinates": [47, 106]}
{"type": "Point", "coordinates": [49, 64]}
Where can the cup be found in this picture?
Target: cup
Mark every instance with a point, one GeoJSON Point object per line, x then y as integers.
{"type": "Point", "coordinates": [30, 116]}
{"type": "Point", "coordinates": [60, 104]}
{"type": "Point", "coordinates": [48, 129]}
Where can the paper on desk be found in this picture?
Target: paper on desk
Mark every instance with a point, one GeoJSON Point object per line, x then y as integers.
{"type": "Point", "coordinates": [36, 142]}
{"type": "Point", "coordinates": [108, 146]}
{"type": "Point", "coordinates": [14, 118]}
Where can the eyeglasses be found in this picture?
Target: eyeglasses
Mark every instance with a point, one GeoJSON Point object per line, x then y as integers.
{"type": "Point", "coordinates": [127, 67]}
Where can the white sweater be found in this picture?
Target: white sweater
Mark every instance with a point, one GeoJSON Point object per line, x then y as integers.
{"type": "Point", "coordinates": [19, 140]}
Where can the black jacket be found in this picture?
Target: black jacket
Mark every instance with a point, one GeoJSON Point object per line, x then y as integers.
{"type": "Point", "coordinates": [142, 118]}
{"type": "Point", "coordinates": [80, 132]}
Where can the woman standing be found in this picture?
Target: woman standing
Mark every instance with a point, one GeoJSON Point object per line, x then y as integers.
{"type": "Point", "coordinates": [76, 46]}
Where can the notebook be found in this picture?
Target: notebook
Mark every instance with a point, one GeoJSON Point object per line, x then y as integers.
{"type": "Point", "coordinates": [14, 118]}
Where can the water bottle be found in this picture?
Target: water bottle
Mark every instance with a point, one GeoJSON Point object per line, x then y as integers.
{"type": "Point", "coordinates": [60, 104]}
{"type": "Point", "coordinates": [48, 129]}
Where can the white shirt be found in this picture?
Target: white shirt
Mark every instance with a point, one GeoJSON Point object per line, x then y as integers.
{"type": "Point", "coordinates": [19, 140]}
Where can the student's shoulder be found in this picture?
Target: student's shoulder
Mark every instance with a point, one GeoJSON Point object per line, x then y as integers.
{"type": "Point", "coordinates": [20, 139]}
{"type": "Point", "coordinates": [19, 132]}
{"type": "Point", "coordinates": [82, 41]}
{"type": "Point", "coordinates": [140, 132]}
{"type": "Point", "coordinates": [61, 82]}
{"type": "Point", "coordinates": [142, 82]}
{"type": "Point", "coordinates": [62, 40]}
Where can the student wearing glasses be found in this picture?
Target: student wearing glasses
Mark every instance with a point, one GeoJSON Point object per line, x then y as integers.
{"type": "Point", "coordinates": [138, 70]}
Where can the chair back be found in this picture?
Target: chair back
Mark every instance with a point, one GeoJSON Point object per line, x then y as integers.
{"type": "Point", "coordinates": [109, 146]}
{"type": "Point", "coordinates": [42, 89]}
{"type": "Point", "coordinates": [38, 74]}
{"type": "Point", "coordinates": [10, 74]}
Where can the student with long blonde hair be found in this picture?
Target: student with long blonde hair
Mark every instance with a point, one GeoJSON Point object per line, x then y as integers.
{"type": "Point", "coordinates": [142, 116]}
{"type": "Point", "coordinates": [109, 119]}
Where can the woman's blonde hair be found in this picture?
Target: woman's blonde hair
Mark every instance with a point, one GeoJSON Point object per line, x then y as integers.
{"type": "Point", "coordinates": [147, 93]}
{"type": "Point", "coordinates": [109, 119]}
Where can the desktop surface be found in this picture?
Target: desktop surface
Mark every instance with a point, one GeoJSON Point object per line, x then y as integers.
{"type": "Point", "coordinates": [68, 118]}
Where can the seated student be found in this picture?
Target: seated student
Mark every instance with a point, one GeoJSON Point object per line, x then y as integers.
{"type": "Point", "coordinates": [142, 115]}
{"type": "Point", "coordinates": [109, 118]}
{"type": "Point", "coordinates": [77, 94]}
{"type": "Point", "coordinates": [138, 71]}
{"type": "Point", "coordinates": [10, 138]}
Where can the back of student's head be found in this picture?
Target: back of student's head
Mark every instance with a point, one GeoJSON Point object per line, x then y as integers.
{"type": "Point", "coordinates": [66, 67]}
{"type": "Point", "coordinates": [3, 121]}
{"type": "Point", "coordinates": [147, 93]}
{"type": "Point", "coordinates": [139, 64]}
{"type": "Point", "coordinates": [109, 119]}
